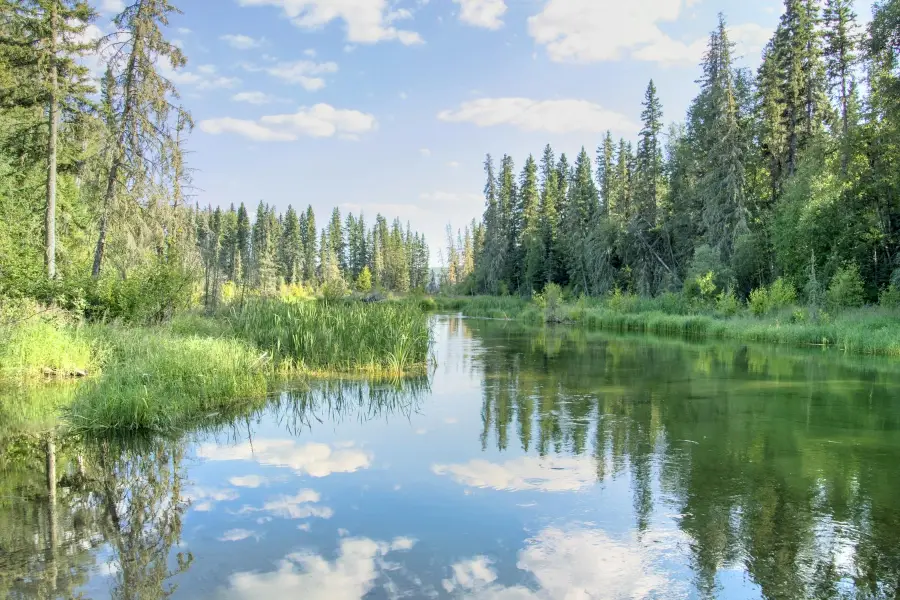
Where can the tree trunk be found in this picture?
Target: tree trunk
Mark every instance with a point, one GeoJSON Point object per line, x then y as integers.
{"type": "Point", "coordinates": [51, 510]}
{"type": "Point", "coordinates": [50, 214]}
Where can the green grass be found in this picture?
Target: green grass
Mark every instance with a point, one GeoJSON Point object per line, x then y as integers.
{"type": "Point", "coordinates": [43, 346]}
{"type": "Point", "coordinates": [155, 379]}
{"type": "Point", "coordinates": [384, 339]}
{"type": "Point", "coordinates": [870, 330]}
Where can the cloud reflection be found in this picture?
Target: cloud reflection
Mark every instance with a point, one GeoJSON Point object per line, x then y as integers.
{"type": "Point", "coordinates": [570, 564]}
{"type": "Point", "coordinates": [528, 473]}
{"type": "Point", "coordinates": [350, 576]}
{"type": "Point", "coordinates": [316, 460]}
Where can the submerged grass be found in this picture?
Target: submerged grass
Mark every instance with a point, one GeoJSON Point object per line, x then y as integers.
{"type": "Point", "coordinates": [870, 330]}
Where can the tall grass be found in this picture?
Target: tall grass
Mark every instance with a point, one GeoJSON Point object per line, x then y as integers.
{"type": "Point", "coordinates": [317, 337]}
{"type": "Point", "coordinates": [42, 345]}
{"type": "Point", "coordinates": [157, 380]}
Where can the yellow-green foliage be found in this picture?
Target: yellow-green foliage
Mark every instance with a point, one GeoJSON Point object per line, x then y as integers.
{"type": "Point", "coordinates": [35, 341]}
{"type": "Point", "coordinates": [781, 294]}
{"type": "Point", "coordinates": [846, 289]}
{"type": "Point", "coordinates": [622, 302]}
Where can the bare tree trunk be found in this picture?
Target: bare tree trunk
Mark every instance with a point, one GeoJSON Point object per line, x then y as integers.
{"type": "Point", "coordinates": [50, 214]}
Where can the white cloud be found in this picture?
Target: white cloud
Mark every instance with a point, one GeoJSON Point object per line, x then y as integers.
{"type": "Point", "coordinates": [302, 505]}
{"type": "Point", "coordinates": [425, 152]}
{"type": "Point", "coordinates": [551, 116]}
{"type": "Point", "coordinates": [203, 499]}
{"type": "Point", "coordinates": [453, 164]}
{"type": "Point", "coordinates": [236, 535]}
{"type": "Point", "coordinates": [314, 459]}
{"type": "Point", "coordinates": [248, 481]}
{"type": "Point", "coordinates": [205, 77]}
{"type": "Point", "coordinates": [184, 31]}
{"type": "Point", "coordinates": [253, 98]}
{"type": "Point", "coordinates": [301, 72]}
{"type": "Point", "coordinates": [482, 13]}
{"type": "Point", "coordinates": [240, 41]}
{"type": "Point", "coordinates": [603, 30]}
{"type": "Point", "coordinates": [310, 52]}
{"type": "Point", "coordinates": [244, 128]}
{"type": "Point", "coordinates": [527, 473]}
{"type": "Point", "coordinates": [568, 564]}
{"type": "Point", "coordinates": [111, 6]}
{"type": "Point", "coordinates": [366, 21]}
{"type": "Point", "coordinates": [350, 576]}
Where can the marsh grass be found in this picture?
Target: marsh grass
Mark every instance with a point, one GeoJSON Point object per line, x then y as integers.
{"type": "Point", "coordinates": [868, 330]}
{"type": "Point", "coordinates": [42, 346]}
{"type": "Point", "coordinates": [156, 380]}
{"type": "Point", "coordinates": [388, 338]}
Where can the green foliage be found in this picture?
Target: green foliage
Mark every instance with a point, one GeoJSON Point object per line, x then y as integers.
{"type": "Point", "coordinates": [621, 302]}
{"type": "Point", "coordinates": [727, 304]}
{"type": "Point", "coordinates": [890, 297]}
{"type": "Point", "coordinates": [38, 341]}
{"type": "Point", "coordinates": [364, 280]}
{"type": "Point", "coordinates": [846, 289]}
{"type": "Point", "coordinates": [781, 294]}
{"type": "Point", "coordinates": [550, 301]}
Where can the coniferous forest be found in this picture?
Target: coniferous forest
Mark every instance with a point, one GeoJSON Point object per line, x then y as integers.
{"type": "Point", "coordinates": [787, 174]}
{"type": "Point", "coordinates": [96, 194]}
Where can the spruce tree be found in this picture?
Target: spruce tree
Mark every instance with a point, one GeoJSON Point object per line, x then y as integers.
{"type": "Point", "coordinates": [290, 247]}
{"type": "Point", "coordinates": [649, 160]}
{"type": "Point", "coordinates": [606, 172]}
{"type": "Point", "coordinates": [532, 234]}
{"type": "Point", "coordinates": [309, 247]}
{"type": "Point", "coordinates": [840, 51]}
{"type": "Point", "coordinates": [553, 252]}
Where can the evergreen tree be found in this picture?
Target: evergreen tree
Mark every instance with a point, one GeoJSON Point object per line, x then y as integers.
{"type": "Point", "coordinates": [553, 252]}
{"type": "Point", "coordinates": [606, 173]}
{"type": "Point", "coordinates": [510, 223]}
{"type": "Point", "coordinates": [840, 53]}
{"type": "Point", "coordinates": [649, 160]}
{"type": "Point", "coordinates": [309, 247]}
{"type": "Point", "coordinates": [533, 268]}
{"type": "Point", "coordinates": [337, 241]}
{"type": "Point", "coordinates": [491, 261]}
{"type": "Point", "coordinates": [290, 259]}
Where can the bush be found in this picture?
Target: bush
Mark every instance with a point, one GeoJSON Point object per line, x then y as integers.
{"type": "Point", "coordinates": [364, 281]}
{"type": "Point", "coordinates": [622, 302]}
{"type": "Point", "coordinates": [847, 288]}
{"type": "Point", "coordinates": [781, 294]}
{"type": "Point", "coordinates": [150, 294]}
{"type": "Point", "coordinates": [759, 302]}
{"type": "Point", "coordinates": [550, 301]}
{"type": "Point", "coordinates": [727, 304]}
{"type": "Point", "coordinates": [334, 289]}
{"type": "Point", "coordinates": [890, 297]}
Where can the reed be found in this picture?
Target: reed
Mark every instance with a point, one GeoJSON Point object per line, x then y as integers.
{"type": "Point", "coordinates": [43, 346]}
{"type": "Point", "coordinates": [388, 338]}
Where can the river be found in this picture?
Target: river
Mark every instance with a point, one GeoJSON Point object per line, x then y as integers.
{"type": "Point", "coordinates": [530, 465]}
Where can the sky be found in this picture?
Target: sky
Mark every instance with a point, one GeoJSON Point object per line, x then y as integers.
{"type": "Point", "coordinates": [390, 106]}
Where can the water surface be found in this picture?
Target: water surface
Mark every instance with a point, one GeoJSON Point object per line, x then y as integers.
{"type": "Point", "coordinates": [531, 465]}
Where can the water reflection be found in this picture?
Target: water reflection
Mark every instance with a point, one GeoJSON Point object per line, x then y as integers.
{"type": "Point", "coordinates": [536, 465]}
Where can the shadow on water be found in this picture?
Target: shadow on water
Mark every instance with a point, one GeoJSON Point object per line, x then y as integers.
{"type": "Point", "coordinates": [781, 465]}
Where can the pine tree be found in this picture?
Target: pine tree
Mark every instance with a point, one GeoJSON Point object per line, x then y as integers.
{"type": "Point", "coordinates": [510, 223]}
{"type": "Point", "coordinates": [309, 247]}
{"type": "Point", "coordinates": [491, 259]}
{"type": "Point", "coordinates": [242, 235]}
{"type": "Point", "coordinates": [141, 113]}
{"type": "Point", "coordinates": [533, 267]}
{"type": "Point", "coordinates": [649, 160]}
{"type": "Point", "coordinates": [290, 247]}
{"type": "Point", "coordinates": [840, 40]}
{"type": "Point", "coordinates": [337, 241]}
{"type": "Point", "coordinates": [553, 252]}
{"type": "Point", "coordinates": [606, 173]}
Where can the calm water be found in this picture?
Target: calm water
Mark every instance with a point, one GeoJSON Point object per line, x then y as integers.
{"type": "Point", "coordinates": [530, 466]}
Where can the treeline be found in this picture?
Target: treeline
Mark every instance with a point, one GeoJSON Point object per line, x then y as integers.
{"type": "Point", "coordinates": [96, 208]}
{"type": "Point", "coordinates": [278, 249]}
{"type": "Point", "coordinates": [786, 173]}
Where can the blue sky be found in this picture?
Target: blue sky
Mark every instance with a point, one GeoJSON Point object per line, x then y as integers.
{"type": "Point", "coordinates": [390, 106]}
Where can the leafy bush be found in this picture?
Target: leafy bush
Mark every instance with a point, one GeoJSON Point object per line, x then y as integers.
{"type": "Point", "coordinates": [727, 304]}
{"type": "Point", "coordinates": [758, 302]}
{"type": "Point", "coordinates": [364, 281]}
{"type": "Point", "coordinates": [781, 294]}
{"type": "Point", "coordinates": [622, 302]}
{"type": "Point", "coordinates": [550, 301]}
{"type": "Point", "coordinates": [847, 288]}
{"type": "Point", "coordinates": [334, 289]}
{"type": "Point", "coordinates": [150, 294]}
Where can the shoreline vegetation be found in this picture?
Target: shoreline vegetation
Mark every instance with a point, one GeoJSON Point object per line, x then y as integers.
{"type": "Point", "coordinates": [774, 319]}
{"type": "Point", "coordinates": [199, 366]}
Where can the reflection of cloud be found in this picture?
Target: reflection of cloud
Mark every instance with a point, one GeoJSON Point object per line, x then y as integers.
{"type": "Point", "coordinates": [551, 474]}
{"type": "Point", "coordinates": [236, 535]}
{"type": "Point", "coordinates": [249, 481]}
{"type": "Point", "coordinates": [310, 576]}
{"type": "Point", "coordinates": [300, 506]}
{"type": "Point", "coordinates": [567, 565]}
{"type": "Point", "coordinates": [317, 460]}
{"type": "Point", "coordinates": [202, 499]}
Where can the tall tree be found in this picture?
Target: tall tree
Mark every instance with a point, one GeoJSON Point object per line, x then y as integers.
{"type": "Point", "coordinates": [532, 239]}
{"type": "Point", "coordinates": [840, 51]}
{"type": "Point", "coordinates": [141, 106]}
{"type": "Point", "coordinates": [309, 247]}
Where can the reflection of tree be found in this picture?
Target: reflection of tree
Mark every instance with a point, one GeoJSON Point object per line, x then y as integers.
{"type": "Point", "coordinates": [737, 439]}
{"type": "Point", "coordinates": [138, 488]}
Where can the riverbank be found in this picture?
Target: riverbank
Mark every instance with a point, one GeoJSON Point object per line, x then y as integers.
{"type": "Point", "coordinates": [171, 376]}
{"type": "Point", "coordinates": [870, 330]}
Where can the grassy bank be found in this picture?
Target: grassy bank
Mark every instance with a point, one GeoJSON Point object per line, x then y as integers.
{"type": "Point", "coordinates": [869, 330]}
{"type": "Point", "coordinates": [197, 368]}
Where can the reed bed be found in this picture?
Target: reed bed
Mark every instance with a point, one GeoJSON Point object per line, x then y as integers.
{"type": "Point", "coordinates": [43, 347]}
{"type": "Point", "coordinates": [387, 338]}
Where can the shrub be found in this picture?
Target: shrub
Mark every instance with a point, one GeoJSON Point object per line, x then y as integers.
{"type": "Point", "coordinates": [727, 304]}
{"type": "Point", "coordinates": [782, 294]}
{"type": "Point", "coordinates": [334, 289]}
{"type": "Point", "coordinates": [846, 289]}
{"type": "Point", "coordinates": [759, 302]}
{"type": "Point", "coordinates": [550, 301]}
{"type": "Point", "coordinates": [890, 297]}
{"type": "Point", "coordinates": [364, 281]}
{"type": "Point", "coordinates": [621, 302]}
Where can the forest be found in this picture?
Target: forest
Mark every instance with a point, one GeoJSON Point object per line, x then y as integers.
{"type": "Point", "coordinates": [96, 194]}
{"type": "Point", "coordinates": [781, 177]}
